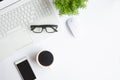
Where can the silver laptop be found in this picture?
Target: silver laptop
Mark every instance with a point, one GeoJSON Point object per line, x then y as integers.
{"type": "Point", "coordinates": [16, 16]}
{"type": "Point", "coordinates": [7, 3]}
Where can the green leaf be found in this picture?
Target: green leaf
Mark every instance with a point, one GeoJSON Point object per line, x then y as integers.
{"type": "Point", "coordinates": [69, 7]}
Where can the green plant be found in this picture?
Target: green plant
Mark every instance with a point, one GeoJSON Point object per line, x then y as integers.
{"type": "Point", "coordinates": [69, 7]}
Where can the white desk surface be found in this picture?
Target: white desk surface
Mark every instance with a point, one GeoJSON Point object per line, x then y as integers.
{"type": "Point", "coordinates": [95, 56]}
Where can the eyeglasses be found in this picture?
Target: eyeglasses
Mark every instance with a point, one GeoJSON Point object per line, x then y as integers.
{"type": "Point", "coordinates": [40, 28]}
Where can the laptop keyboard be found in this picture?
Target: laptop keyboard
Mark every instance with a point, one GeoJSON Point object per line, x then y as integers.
{"type": "Point", "coordinates": [24, 15]}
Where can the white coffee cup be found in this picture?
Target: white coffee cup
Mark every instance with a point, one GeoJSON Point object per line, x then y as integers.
{"type": "Point", "coordinates": [44, 58]}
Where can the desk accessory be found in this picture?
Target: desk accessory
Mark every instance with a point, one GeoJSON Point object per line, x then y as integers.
{"type": "Point", "coordinates": [40, 28]}
{"type": "Point", "coordinates": [73, 27]}
{"type": "Point", "coordinates": [44, 58]}
{"type": "Point", "coordinates": [25, 69]}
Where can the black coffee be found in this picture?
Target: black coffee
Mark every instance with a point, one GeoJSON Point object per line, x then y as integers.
{"type": "Point", "coordinates": [45, 58]}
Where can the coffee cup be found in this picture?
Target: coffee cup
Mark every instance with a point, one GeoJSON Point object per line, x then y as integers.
{"type": "Point", "coordinates": [44, 58]}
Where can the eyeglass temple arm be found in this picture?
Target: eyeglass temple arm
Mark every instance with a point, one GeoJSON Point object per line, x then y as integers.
{"type": "Point", "coordinates": [32, 27]}
{"type": "Point", "coordinates": [54, 29]}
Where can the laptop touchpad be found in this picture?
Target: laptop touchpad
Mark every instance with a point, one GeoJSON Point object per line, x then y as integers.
{"type": "Point", "coordinates": [14, 42]}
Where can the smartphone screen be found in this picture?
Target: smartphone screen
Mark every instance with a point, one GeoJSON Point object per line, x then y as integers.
{"type": "Point", "coordinates": [25, 70]}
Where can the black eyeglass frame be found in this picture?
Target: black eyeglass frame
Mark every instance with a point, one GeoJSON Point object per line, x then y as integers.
{"type": "Point", "coordinates": [54, 27]}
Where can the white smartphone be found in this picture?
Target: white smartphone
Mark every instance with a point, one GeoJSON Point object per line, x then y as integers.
{"type": "Point", "coordinates": [25, 69]}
